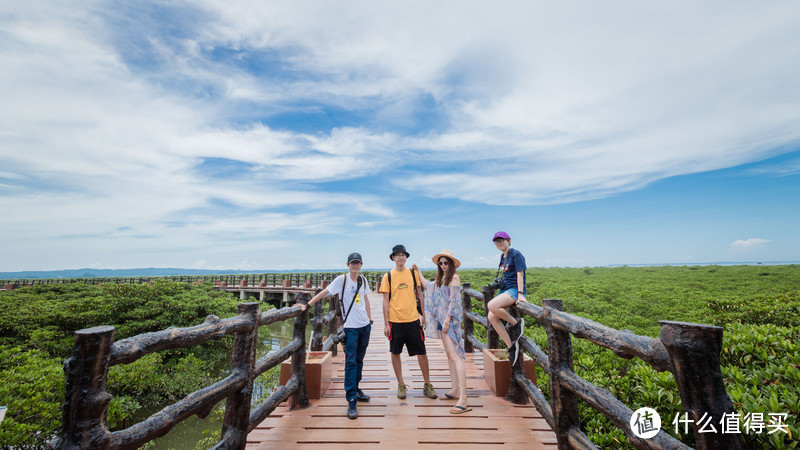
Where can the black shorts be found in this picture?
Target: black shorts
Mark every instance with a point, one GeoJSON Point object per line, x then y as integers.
{"type": "Point", "coordinates": [409, 334]}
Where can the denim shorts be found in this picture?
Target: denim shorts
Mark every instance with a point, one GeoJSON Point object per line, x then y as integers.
{"type": "Point", "coordinates": [510, 291]}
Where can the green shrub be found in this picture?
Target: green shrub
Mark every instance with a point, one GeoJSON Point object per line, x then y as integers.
{"type": "Point", "coordinates": [758, 306]}
{"type": "Point", "coordinates": [32, 388]}
{"type": "Point", "coordinates": [38, 326]}
{"type": "Point", "coordinates": [46, 316]}
{"type": "Point", "coordinates": [776, 308]}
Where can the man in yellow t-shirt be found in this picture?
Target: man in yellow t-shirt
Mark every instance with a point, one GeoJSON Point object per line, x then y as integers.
{"type": "Point", "coordinates": [404, 325]}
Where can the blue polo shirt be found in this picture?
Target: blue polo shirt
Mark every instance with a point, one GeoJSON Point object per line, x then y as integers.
{"type": "Point", "coordinates": [511, 264]}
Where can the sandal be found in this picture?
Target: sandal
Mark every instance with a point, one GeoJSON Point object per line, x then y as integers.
{"type": "Point", "coordinates": [460, 409]}
{"type": "Point", "coordinates": [447, 396]}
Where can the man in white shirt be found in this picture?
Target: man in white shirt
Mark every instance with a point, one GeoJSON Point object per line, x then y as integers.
{"type": "Point", "coordinates": [353, 290]}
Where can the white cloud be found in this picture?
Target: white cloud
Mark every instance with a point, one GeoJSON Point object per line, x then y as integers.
{"type": "Point", "coordinates": [532, 103]}
{"type": "Point", "coordinates": [579, 104]}
{"type": "Point", "coordinates": [748, 244]}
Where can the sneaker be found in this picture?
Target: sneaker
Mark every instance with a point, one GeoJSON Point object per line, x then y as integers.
{"type": "Point", "coordinates": [429, 391]}
{"type": "Point", "coordinates": [361, 396]}
{"type": "Point", "coordinates": [401, 390]}
{"type": "Point", "coordinates": [352, 412]}
{"type": "Point", "coordinates": [515, 331]}
{"type": "Point", "coordinates": [513, 354]}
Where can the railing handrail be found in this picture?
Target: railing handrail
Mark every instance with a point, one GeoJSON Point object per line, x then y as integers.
{"type": "Point", "coordinates": [689, 351]}
{"type": "Point", "coordinates": [84, 411]}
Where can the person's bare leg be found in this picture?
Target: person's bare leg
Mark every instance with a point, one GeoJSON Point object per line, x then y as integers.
{"type": "Point", "coordinates": [397, 365]}
{"type": "Point", "coordinates": [423, 365]}
{"type": "Point", "coordinates": [452, 367]}
{"type": "Point", "coordinates": [497, 310]}
{"type": "Point", "coordinates": [460, 379]}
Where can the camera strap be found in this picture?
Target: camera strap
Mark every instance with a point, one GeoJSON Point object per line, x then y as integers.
{"type": "Point", "coordinates": [499, 266]}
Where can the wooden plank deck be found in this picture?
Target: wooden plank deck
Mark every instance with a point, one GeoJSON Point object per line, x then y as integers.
{"type": "Point", "coordinates": [417, 421]}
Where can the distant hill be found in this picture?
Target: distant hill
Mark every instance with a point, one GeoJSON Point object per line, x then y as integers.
{"type": "Point", "coordinates": [145, 272]}
{"type": "Point", "coordinates": [166, 271]}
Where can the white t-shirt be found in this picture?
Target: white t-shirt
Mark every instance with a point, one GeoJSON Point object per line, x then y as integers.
{"type": "Point", "coordinates": [358, 317]}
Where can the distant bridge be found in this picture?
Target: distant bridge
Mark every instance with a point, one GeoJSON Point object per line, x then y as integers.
{"type": "Point", "coordinates": [253, 284]}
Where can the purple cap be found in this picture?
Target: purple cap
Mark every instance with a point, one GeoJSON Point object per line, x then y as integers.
{"type": "Point", "coordinates": [501, 235]}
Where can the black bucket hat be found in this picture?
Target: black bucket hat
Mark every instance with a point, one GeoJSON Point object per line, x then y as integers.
{"type": "Point", "coordinates": [399, 248]}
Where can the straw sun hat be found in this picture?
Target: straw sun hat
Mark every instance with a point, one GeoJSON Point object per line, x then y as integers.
{"type": "Point", "coordinates": [448, 254]}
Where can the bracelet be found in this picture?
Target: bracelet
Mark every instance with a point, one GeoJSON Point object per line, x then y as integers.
{"type": "Point", "coordinates": [371, 321]}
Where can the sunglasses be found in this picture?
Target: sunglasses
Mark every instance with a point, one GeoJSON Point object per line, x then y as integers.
{"type": "Point", "coordinates": [444, 263]}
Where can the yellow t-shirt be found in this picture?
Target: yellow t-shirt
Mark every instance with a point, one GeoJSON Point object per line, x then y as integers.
{"type": "Point", "coordinates": [403, 303]}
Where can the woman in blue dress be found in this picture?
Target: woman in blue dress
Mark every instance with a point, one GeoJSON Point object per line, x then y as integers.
{"type": "Point", "coordinates": [444, 315]}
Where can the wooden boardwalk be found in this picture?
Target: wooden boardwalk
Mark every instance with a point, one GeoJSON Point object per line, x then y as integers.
{"type": "Point", "coordinates": [417, 421]}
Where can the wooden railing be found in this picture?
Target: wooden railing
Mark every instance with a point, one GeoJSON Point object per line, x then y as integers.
{"type": "Point", "coordinates": [84, 411]}
{"type": "Point", "coordinates": [691, 352]}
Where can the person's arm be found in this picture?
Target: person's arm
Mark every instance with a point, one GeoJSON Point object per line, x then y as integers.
{"type": "Point", "coordinates": [418, 290]}
{"type": "Point", "coordinates": [521, 286]}
{"type": "Point", "coordinates": [386, 329]}
{"type": "Point", "coordinates": [322, 294]}
{"type": "Point", "coordinates": [416, 268]}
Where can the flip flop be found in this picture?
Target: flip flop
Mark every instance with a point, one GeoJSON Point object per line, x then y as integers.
{"type": "Point", "coordinates": [447, 397]}
{"type": "Point", "coordinates": [460, 409]}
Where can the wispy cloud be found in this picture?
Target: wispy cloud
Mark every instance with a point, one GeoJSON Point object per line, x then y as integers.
{"type": "Point", "coordinates": [748, 244]}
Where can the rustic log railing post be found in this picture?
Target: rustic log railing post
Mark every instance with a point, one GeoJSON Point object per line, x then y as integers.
{"type": "Point", "coordinates": [84, 411]}
{"type": "Point", "coordinates": [333, 324]}
{"type": "Point", "coordinates": [300, 397]}
{"type": "Point", "coordinates": [316, 330]}
{"type": "Point", "coordinates": [563, 402]}
{"type": "Point", "coordinates": [237, 406]}
{"type": "Point", "coordinates": [492, 338]}
{"type": "Point", "coordinates": [695, 350]}
{"type": "Point", "coordinates": [469, 327]}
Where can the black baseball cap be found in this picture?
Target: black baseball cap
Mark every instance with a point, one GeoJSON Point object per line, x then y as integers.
{"type": "Point", "coordinates": [399, 248]}
{"type": "Point", "coordinates": [354, 257]}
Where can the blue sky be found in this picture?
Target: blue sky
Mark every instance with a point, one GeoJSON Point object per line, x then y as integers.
{"type": "Point", "coordinates": [284, 135]}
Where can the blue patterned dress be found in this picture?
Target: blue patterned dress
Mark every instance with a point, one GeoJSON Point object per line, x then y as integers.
{"type": "Point", "coordinates": [440, 303]}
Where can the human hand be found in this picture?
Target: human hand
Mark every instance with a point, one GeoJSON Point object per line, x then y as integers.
{"type": "Point", "coordinates": [446, 326]}
{"type": "Point", "coordinates": [422, 321]}
{"type": "Point", "coordinates": [387, 331]}
{"type": "Point", "coordinates": [303, 306]}
{"type": "Point", "coordinates": [414, 267]}
{"type": "Point", "coordinates": [521, 298]}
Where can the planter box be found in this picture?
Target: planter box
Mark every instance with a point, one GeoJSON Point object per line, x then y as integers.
{"type": "Point", "coordinates": [319, 366]}
{"type": "Point", "coordinates": [497, 370]}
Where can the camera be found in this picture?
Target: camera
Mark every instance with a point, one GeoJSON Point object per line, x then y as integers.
{"type": "Point", "coordinates": [497, 284]}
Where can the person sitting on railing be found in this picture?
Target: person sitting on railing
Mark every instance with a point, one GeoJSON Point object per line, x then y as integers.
{"type": "Point", "coordinates": [512, 291]}
{"type": "Point", "coordinates": [444, 316]}
{"type": "Point", "coordinates": [403, 321]}
{"type": "Point", "coordinates": [357, 324]}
